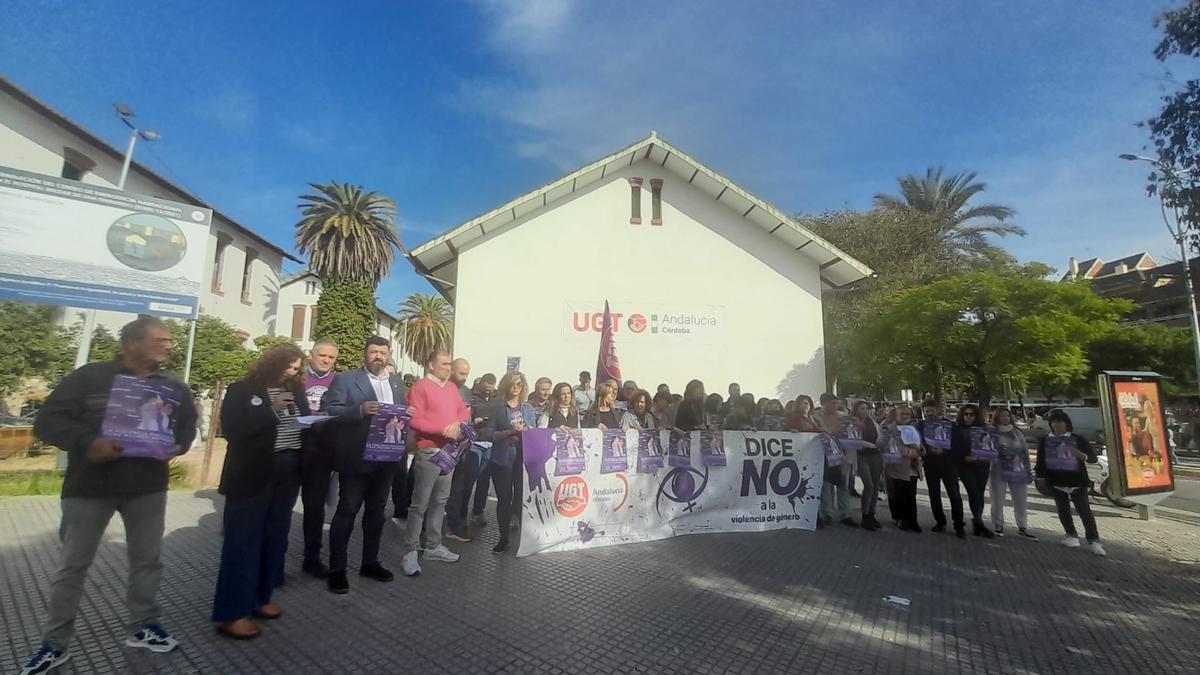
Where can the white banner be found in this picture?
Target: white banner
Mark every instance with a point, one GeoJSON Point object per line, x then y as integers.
{"type": "Point", "coordinates": [586, 489]}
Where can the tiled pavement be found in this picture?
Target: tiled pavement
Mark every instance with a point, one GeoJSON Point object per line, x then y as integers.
{"type": "Point", "coordinates": [785, 601]}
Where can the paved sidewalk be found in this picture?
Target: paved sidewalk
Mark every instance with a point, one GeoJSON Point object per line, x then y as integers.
{"type": "Point", "coordinates": [779, 602]}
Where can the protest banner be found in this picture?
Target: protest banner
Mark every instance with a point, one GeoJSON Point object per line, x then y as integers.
{"type": "Point", "coordinates": [771, 481]}
{"type": "Point", "coordinates": [139, 416]}
{"type": "Point", "coordinates": [386, 435]}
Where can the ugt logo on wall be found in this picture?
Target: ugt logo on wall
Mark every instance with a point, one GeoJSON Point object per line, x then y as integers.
{"type": "Point", "coordinates": [650, 319]}
{"type": "Point", "coordinates": [571, 497]}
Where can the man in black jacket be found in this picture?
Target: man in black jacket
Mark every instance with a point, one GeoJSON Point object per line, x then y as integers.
{"type": "Point", "coordinates": [354, 399]}
{"type": "Point", "coordinates": [101, 482]}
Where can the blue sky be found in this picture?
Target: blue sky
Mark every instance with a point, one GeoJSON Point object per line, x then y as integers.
{"type": "Point", "coordinates": [453, 108]}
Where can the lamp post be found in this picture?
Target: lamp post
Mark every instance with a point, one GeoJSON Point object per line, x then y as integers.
{"type": "Point", "coordinates": [89, 316]}
{"type": "Point", "coordinates": [1179, 232]}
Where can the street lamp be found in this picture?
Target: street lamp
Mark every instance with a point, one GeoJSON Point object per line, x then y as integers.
{"type": "Point", "coordinates": [1179, 232]}
{"type": "Point", "coordinates": [126, 114]}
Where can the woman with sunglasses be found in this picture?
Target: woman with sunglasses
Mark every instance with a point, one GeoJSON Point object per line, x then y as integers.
{"type": "Point", "coordinates": [973, 472]}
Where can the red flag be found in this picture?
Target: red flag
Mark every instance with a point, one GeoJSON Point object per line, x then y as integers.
{"type": "Point", "coordinates": [608, 366]}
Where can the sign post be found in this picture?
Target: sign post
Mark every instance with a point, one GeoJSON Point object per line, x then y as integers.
{"type": "Point", "coordinates": [1138, 444]}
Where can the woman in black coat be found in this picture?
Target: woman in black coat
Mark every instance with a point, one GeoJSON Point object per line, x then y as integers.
{"type": "Point", "coordinates": [973, 473]}
{"type": "Point", "coordinates": [260, 481]}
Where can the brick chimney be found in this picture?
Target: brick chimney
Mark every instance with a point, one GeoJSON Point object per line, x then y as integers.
{"type": "Point", "coordinates": [1073, 267]}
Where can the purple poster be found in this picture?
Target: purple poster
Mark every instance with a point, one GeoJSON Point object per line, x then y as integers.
{"type": "Point", "coordinates": [447, 457]}
{"type": "Point", "coordinates": [849, 436]}
{"type": "Point", "coordinates": [679, 454]}
{"type": "Point", "coordinates": [712, 448]}
{"type": "Point", "coordinates": [983, 444]}
{"type": "Point", "coordinates": [613, 455]}
{"type": "Point", "coordinates": [892, 446]}
{"type": "Point", "coordinates": [937, 433]}
{"type": "Point", "coordinates": [385, 438]}
{"type": "Point", "coordinates": [650, 457]}
{"type": "Point", "coordinates": [140, 417]}
{"type": "Point", "coordinates": [513, 365]}
{"type": "Point", "coordinates": [1013, 463]}
{"type": "Point", "coordinates": [569, 457]}
{"type": "Point", "coordinates": [1060, 453]}
{"type": "Point", "coordinates": [833, 452]}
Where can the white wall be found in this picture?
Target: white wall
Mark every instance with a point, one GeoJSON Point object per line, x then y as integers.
{"type": "Point", "coordinates": [518, 292]}
{"type": "Point", "coordinates": [30, 142]}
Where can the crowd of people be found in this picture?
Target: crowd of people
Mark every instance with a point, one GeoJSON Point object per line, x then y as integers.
{"type": "Point", "coordinates": [276, 454]}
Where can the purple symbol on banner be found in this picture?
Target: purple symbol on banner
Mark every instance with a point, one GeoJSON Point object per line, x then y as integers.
{"type": "Point", "coordinates": [586, 533]}
{"type": "Point", "coordinates": [570, 458]}
{"type": "Point", "coordinates": [140, 417]}
{"type": "Point", "coordinates": [937, 433]}
{"type": "Point", "coordinates": [613, 456]}
{"type": "Point", "coordinates": [386, 435]}
{"type": "Point", "coordinates": [537, 449]}
{"type": "Point", "coordinates": [679, 454]}
{"type": "Point", "coordinates": [679, 486]}
{"type": "Point", "coordinates": [650, 456]}
{"type": "Point", "coordinates": [712, 448]}
{"type": "Point", "coordinates": [1060, 453]}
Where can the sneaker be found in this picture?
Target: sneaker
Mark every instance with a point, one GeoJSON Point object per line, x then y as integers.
{"type": "Point", "coordinates": [998, 530]}
{"type": "Point", "coordinates": [1026, 535]}
{"type": "Point", "coordinates": [410, 564]}
{"type": "Point", "coordinates": [464, 538]}
{"type": "Point", "coordinates": [1070, 541]}
{"type": "Point", "coordinates": [45, 660]}
{"type": "Point", "coordinates": [1096, 548]}
{"type": "Point", "coordinates": [152, 637]}
{"type": "Point", "coordinates": [441, 554]}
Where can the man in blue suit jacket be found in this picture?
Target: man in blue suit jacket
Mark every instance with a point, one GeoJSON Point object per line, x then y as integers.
{"type": "Point", "coordinates": [354, 398]}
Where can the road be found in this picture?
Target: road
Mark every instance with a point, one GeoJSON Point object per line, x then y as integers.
{"type": "Point", "coordinates": [1186, 497]}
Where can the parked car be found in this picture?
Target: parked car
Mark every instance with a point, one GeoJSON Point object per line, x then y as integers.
{"type": "Point", "coordinates": [1087, 421]}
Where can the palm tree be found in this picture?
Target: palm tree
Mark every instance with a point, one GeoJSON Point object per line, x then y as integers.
{"type": "Point", "coordinates": [944, 199]}
{"type": "Point", "coordinates": [348, 234]}
{"type": "Point", "coordinates": [428, 325]}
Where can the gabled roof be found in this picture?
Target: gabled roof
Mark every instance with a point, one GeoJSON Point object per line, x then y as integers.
{"type": "Point", "coordinates": [1131, 263]}
{"type": "Point", "coordinates": [437, 259]}
{"type": "Point", "coordinates": [63, 121]}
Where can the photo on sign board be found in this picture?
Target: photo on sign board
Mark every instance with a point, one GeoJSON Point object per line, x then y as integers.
{"type": "Point", "coordinates": [1143, 443]}
{"type": "Point", "coordinates": [147, 242]}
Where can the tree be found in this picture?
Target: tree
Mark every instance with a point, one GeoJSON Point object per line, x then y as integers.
{"type": "Point", "coordinates": [987, 326]}
{"type": "Point", "coordinates": [1175, 131]}
{"type": "Point", "coordinates": [1166, 350]}
{"type": "Point", "coordinates": [104, 346]}
{"type": "Point", "coordinates": [429, 321]}
{"type": "Point", "coordinates": [945, 200]}
{"type": "Point", "coordinates": [32, 345]}
{"type": "Point", "coordinates": [350, 238]}
{"type": "Point", "coordinates": [217, 356]}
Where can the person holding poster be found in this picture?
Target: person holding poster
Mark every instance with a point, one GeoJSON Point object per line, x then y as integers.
{"type": "Point", "coordinates": [260, 481]}
{"type": "Point", "coordinates": [941, 467]}
{"type": "Point", "coordinates": [317, 454]}
{"type": "Point", "coordinates": [870, 463]}
{"type": "Point", "coordinates": [638, 417]}
{"type": "Point", "coordinates": [835, 492]}
{"type": "Point", "coordinates": [1060, 458]}
{"type": "Point", "coordinates": [437, 412]}
{"type": "Point", "coordinates": [1012, 473]}
{"type": "Point", "coordinates": [354, 399]}
{"type": "Point", "coordinates": [561, 413]}
{"type": "Point", "coordinates": [603, 414]}
{"type": "Point", "coordinates": [508, 417]}
{"type": "Point", "coordinates": [902, 476]}
{"type": "Point", "coordinates": [973, 472]}
{"type": "Point", "coordinates": [101, 481]}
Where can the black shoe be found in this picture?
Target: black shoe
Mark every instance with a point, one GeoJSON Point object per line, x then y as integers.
{"type": "Point", "coordinates": [316, 569]}
{"type": "Point", "coordinates": [337, 582]}
{"type": "Point", "coordinates": [940, 527]}
{"type": "Point", "coordinates": [960, 532]}
{"type": "Point", "coordinates": [849, 522]}
{"type": "Point", "coordinates": [914, 527]}
{"type": "Point", "coordinates": [500, 547]}
{"type": "Point", "coordinates": [376, 571]}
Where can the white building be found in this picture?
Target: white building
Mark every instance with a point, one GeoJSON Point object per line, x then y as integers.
{"type": "Point", "coordinates": [244, 270]}
{"type": "Point", "coordinates": [298, 296]}
{"type": "Point", "coordinates": [707, 281]}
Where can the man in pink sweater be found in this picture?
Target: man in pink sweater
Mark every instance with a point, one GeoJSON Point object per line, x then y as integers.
{"type": "Point", "coordinates": [437, 409]}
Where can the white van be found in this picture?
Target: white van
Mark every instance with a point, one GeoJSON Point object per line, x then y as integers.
{"type": "Point", "coordinates": [1087, 421]}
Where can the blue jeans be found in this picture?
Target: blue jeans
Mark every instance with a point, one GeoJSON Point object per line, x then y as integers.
{"type": "Point", "coordinates": [365, 489]}
{"type": "Point", "coordinates": [256, 535]}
